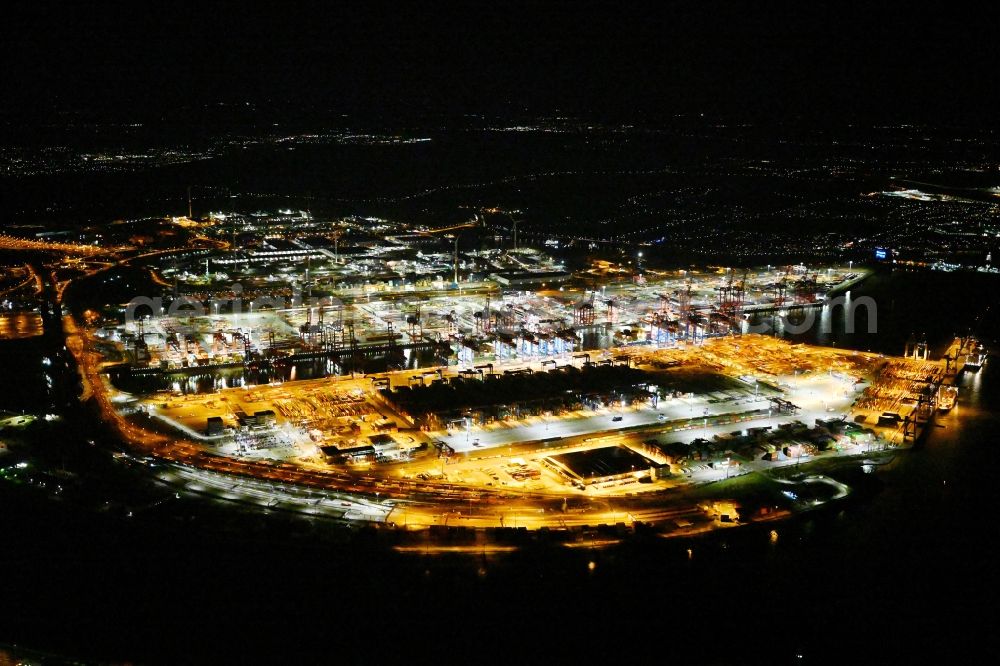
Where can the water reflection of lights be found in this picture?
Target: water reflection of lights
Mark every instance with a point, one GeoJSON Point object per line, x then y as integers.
{"type": "Point", "coordinates": [825, 325]}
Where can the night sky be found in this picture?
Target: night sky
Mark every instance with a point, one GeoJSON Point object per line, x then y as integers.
{"type": "Point", "coordinates": [758, 61]}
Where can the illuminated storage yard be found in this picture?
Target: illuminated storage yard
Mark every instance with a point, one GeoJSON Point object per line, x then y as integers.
{"type": "Point", "coordinates": [470, 403]}
{"type": "Point", "coordinates": [379, 361]}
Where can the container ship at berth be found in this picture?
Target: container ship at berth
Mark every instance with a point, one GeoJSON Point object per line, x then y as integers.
{"type": "Point", "coordinates": [965, 354]}
{"type": "Point", "coordinates": [947, 395]}
{"type": "Point", "coordinates": [975, 357]}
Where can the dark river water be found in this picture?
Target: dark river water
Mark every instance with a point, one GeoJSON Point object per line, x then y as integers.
{"type": "Point", "coordinates": [890, 306]}
{"type": "Point", "coordinates": [214, 380]}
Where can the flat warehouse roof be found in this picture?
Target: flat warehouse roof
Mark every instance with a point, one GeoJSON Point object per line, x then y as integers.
{"type": "Point", "coordinates": [606, 461]}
